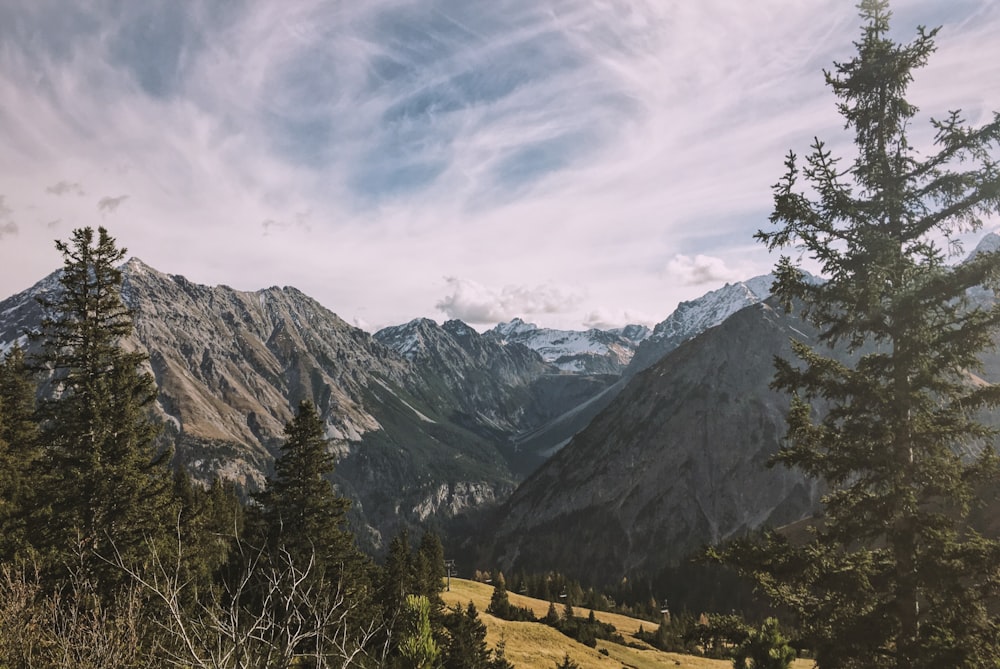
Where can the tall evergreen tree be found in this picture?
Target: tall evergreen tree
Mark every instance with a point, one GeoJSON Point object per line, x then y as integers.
{"type": "Point", "coordinates": [397, 581]}
{"type": "Point", "coordinates": [466, 646]}
{"type": "Point", "coordinates": [108, 489]}
{"type": "Point", "coordinates": [429, 568]}
{"type": "Point", "coordinates": [18, 451]}
{"type": "Point", "coordinates": [894, 574]}
{"type": "Point", "coordinates": [301, 513]}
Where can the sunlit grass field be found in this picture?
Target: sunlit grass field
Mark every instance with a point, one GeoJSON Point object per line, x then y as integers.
{"type": "Point", "coordinates": [537, 646]}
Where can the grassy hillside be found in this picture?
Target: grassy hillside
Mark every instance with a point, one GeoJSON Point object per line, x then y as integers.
{"type": "Point", "coordinates": [536, 646]}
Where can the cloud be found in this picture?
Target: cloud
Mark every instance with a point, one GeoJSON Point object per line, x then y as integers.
{"type": "Point", "coordinates": [700, 270]}
{"type": "Point", "coordinates": [473, 302]}
{"type": "Point", "coordinates": [109, 205]}
{"type": "Point", "coordinates": [608, 319]}
{"type": "Point", "coordinates": [299, 220]}
{"type": "Point", "coordinates": [64, 187]}
{"type": "Point", "coordinates": [523, 143]}
{"type": "Point", "coordinates": [7, 225]}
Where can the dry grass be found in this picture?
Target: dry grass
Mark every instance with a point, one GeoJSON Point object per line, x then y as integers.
{"type": "Point", "coordinates": [536, 646]}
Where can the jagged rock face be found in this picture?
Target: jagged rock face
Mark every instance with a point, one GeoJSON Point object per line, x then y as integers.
{"type": "Point", "coordinates": [497, 388]}
{"type": "Point", "coordinates": [694, 317]}
{"type": "Point", "coordinates": [676, 461]}
{"type": "Point", "coordinates": [231, 366]}
{"type": "Point", "coordinates": [486, 384]}
{"type": "Point", "coordinates": [589, 352]}
{"type": "Point", "coordinates": [689, 320]}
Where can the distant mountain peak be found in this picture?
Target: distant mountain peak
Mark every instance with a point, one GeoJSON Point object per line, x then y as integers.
{"type": "Point", "coordinates": [988, 244]}
{"type": "Point", "coordinates": [515, 327]}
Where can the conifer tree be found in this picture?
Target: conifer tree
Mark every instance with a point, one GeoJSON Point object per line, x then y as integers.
{"type": "Point", "coordinates": [397, 580]}
{"type": "Point", "coordinates": [417, 646]}
{"type": "Point", "coordinates": [107, 488]}
{"type": "Point", "coordinates": [301, 513]}
{"type": "Point", "coordinates": [894, 575]}
{"type": "Point", "coordinates": [499, 601]}
{"type": "Point", "coordinates": [18, 451]}
{"type": "Point", "coordinates": [429, 568]}
{"type": "Point", "coordinates": [466, 647]}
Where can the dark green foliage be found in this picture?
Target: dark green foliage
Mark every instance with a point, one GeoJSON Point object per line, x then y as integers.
{"type": "Point", "coordinates": [720, 636]}
{"type": "Point", "coordinates": [300, 513]}
{"type": "Point", "coordinates": [500, 660]}
{"type": "Point", "coordinates": [893, 574]}
{"type": "Point", "coordinates": [396, 580]}
{"type": "Point", "coordinates": [764, 648]}
{"type": "Point", "coordinates": [551, 616]}
{"type": "Point", "coordinates": [466, 646]}
{"type": "Point", "coordinates": [18, 452]}
{"type": "Point", "coordinates": [106, 490]}
{"type": "Point", "coordinates": [567, 663]}
{"type": "Point", "coordinates": [429, 569]}
{"type": "Point", "coordinates": [208, 521]}
{"type": "Point", "coordinates": [587, 631]}
{"type": "Point", "coordinates": [501, 607]}
{"type": "Point", "coordinates": [676, 634]}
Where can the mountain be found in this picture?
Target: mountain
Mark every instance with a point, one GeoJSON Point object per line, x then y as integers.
{"type": "Point", "coordinates": [677, 460]}
{"type": "Point", "coordinates": [577, 352]}
{"type": "Point", "coordinates": [688, 320]}
{"type": "Point", "coordinates": [695, 316]}
{"type": "Point", "coordinates": [412, 440]}
{"type": "Point", "coordinates": [496, 387]}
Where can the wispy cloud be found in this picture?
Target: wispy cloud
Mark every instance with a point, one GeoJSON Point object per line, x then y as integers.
{"type": "Point", "coordinates": [523, 142]}
{"type": "Point", "coordinates": [475, 303]}
{"type": "Point", "coordinates": [700, 270]}
{"type": "Point", "coordinates": [109, 205]}
{"type": "Point", "coordinates": [7, 224]}
{"type": "Point", "coordinates": [65, 187]}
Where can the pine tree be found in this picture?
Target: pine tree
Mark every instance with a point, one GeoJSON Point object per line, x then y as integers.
{"type": "Point", "coordinates": [551, 616]}
{"type": "Point", "coordinates": [567, 663]}
{"type": "Point", "coordinates": [303, 517]}
{"type": "Point", "coordinates": [397, 581]}
{"type": "Point", "coordinates": [894, 574]}
{"type": "Point", "coordinates": [500, 660]}
{"type": "Point", "coordinates": [18, 452]}
{"type": "Point", "coordinates": [417, 647]}
{"type": "Point", "coordinates": [429, 568]}
{"type": "Point", "coordinates": [764, 648]}
{"type": "Point", "coordinates": [499, 601]}
{"type": "Point", "coordinates": [108, 488]}
{"type": "Point", "coordinates": [466, 647]}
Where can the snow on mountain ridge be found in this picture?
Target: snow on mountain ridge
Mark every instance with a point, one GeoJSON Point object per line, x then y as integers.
{"type": "Point", "coordinates": [573, 351]}
{"type": "Point", "coordinates": [695, 316]}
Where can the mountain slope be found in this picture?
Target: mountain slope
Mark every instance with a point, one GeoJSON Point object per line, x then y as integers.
{"type": "Point", "coordinates": [231, 365]}
{"type": "Point", "coordinates": [693, 317]}
{"type": "Point", "coordinates": [676, 460]}
{"type": "Point", "coordinates": [689, 320]}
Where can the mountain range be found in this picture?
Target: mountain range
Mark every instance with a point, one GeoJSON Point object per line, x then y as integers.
{"type": "Point", "coordinates": [601, 453]}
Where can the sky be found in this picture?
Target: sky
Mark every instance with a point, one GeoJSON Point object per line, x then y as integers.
{"type": "Point", "coordinates": [575, 163]}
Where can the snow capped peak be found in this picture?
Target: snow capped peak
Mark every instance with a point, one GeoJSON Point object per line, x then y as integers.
{"type": "Point", "coordinates": [634, 333]}
{"type": "Point", "coordinates": [988, 244]}
{"type": "Point", "coordinates": [760, 286]}
{"type": "Point", "coordinates": [513, 329]}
